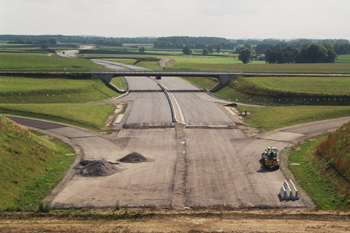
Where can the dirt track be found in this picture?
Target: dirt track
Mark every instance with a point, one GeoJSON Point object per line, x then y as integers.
{"type": "Point", "coordinates": [185, 221]}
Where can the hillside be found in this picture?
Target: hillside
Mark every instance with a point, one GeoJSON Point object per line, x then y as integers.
{"type": "Point", "coordinates": [337, 150]}
{"type": "Point", "coordinates": [30, 166]}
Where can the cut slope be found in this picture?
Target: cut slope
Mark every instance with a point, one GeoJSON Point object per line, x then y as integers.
{"type": "Point", "coordinates": [30, 166]}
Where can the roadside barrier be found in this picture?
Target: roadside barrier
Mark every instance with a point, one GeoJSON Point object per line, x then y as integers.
{"type": "Point", "coordinates": [288, 192]}
{"type": "Point", "coordinates": [170, 102]}
{"type": "Point", "coordinates": [283, 193]}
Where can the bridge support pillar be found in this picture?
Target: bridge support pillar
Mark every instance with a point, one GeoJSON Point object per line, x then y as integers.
{"type": "Point", "coordinates": [224, 79]}
{"type": "Point", "coordinates": [106, 78]}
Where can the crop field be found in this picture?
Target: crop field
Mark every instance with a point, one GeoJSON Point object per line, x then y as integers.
{"type": "Point", "coordinates": [313, 85]}
{"type": "Point", "coordinates": [343, 58]}
{"type": "Point", "coordinates": [43, 61]}
{"type": "Point", "coordinates": [261, 66]}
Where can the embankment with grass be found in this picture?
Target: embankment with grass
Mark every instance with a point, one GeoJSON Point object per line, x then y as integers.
{"type": "Point", "coordinates": [321, 166]}
{"type": "Point", "coordinates": [31, 166]}
{"type": "Point", "coordinates": [275, 117]}
{"type": "Point", "coordinates": [50, 89]}
{"type": "Point", "coordinates": [288, 90]}
{"type": "Point", "coordinates": [58, 99]}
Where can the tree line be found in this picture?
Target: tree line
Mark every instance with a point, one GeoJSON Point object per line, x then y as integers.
{"type": "Point", "coordinates": [111, 41]}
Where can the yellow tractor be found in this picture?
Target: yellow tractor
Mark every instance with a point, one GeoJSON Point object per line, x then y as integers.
{"type": "Point", "coordinates": [269, 158]}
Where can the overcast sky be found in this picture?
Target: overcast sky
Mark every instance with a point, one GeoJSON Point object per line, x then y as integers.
{"type": "Point", "coordinates": [232, 19]}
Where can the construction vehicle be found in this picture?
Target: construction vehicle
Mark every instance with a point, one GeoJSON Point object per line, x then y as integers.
{"type": "Point", "coordinates": [269, 158]}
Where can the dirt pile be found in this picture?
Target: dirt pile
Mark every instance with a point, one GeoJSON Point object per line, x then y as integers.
{"type": "Point", "coordinates": [97, 168]}
{"type": "Point", "coordinates": [133, 157]}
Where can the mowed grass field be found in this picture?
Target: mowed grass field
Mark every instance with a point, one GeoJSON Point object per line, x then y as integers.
{"type": "Point", "coordinates": [231, 63]}
{"type": "Point", "coordinates": [13, 61]}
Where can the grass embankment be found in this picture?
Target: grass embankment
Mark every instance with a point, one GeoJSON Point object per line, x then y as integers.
{"type": "Point", "coordinates": [321, 167]}
{"type": "Point", "coordinates": [58, 99]}
{"type": "Point", "coordinates": [90, 116]}
{"type": "Point", "coordinates": [206, 82]}
{"type": "Point", "coordinates": [30, 166]}
{"type": "Point", "coordinates": [27, 61]}
{"type": "Point", "coordinates": [274, 117]}
{"type": "Point", "coordinates": [289, 90]}
{"type": "Point", "coordinates": [119, 82]}
{"type": "Point", "coordinates": [53, 90]}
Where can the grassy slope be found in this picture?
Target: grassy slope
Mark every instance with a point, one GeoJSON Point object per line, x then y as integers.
{"type": "Point", "coordinates": [318, 177]}
{"type": "Point", "coordinates": [56, 99]}
{"type": "Point", "coordinates": [91, 116]}
{"type": "Point", "coordinates": [276, 117]}
{"type": "Point", "coordinates": [30, 166]}
{"type": "Point", "coordinates": [206, 83]}
{"type": "Point", "coordinates": [337, 150]}
{"type": "Point", "coordinates": [309, 85]}
{"type": "Point", "coordinates": [294, 91]}
{"type": "Point", "coordinates": [119, 82]}
{"type": "Point", "coordinates": [52, 90]}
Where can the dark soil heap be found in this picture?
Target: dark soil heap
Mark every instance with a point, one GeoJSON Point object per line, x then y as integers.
{"type": "Point", "coordinates": [133, 157]}
{"type": "Point", "coordinates": [97, 168]}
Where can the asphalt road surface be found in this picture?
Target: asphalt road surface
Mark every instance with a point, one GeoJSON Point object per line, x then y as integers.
{"type": "Point", "coordinates": [205, 161]}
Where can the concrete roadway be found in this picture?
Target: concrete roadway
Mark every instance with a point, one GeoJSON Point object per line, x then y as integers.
{"type": "Point", "coordinates": [193, 165]}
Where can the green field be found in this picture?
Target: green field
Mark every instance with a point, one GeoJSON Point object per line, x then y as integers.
{"type": "Point", "coordinates": [27, 61]}
{"type": "Point", "coordinates": [343, 58]}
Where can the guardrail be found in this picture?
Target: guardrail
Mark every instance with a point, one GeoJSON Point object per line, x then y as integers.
{"type": "Point", "coordinates": [170, 102]}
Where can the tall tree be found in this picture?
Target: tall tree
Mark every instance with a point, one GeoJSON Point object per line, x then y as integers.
{"type": "Point", "coordinates": [205, 52]}
{"type": "Point", "coordinates": [244, 55]}
{"type": "Point", "coordinates": [186, 50]}
{"type": "Point", "coordinates": [313, 53]}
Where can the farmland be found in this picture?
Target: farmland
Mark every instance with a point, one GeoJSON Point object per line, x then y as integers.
{"type": "Point", "coordinates": [9, 61]}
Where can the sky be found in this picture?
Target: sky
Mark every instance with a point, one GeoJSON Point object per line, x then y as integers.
{"type": "Point", "coordinates": [231, 19]}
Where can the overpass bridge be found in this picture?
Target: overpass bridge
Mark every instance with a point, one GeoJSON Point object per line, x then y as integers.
{"type": "Point", "coordinates": [223, 76]}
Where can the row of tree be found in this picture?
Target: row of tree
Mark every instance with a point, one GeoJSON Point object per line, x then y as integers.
{"type": "Point", "coordinates": [112, 41]}
{"type": "Point", "coordinates": [310, 53]}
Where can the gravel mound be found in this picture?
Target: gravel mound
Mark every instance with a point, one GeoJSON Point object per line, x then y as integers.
{"type": "Point", "coordinates": [97, 168]}
{"type": "Point", "coordinates": [133, 157]}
